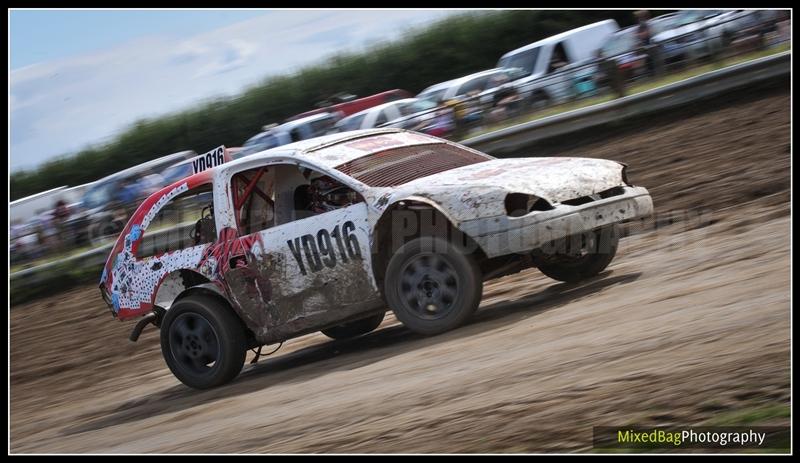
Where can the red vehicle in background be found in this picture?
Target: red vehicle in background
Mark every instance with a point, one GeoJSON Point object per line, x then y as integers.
{"type": "Point", "coordinates": [351, 107]}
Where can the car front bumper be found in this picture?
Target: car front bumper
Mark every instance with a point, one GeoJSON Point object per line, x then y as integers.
{"type": "Point", "coordinates": [503, 235]}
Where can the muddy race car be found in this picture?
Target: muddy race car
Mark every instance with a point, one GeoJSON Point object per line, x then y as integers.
{"type": "Point", "coordinates": [328, 234]}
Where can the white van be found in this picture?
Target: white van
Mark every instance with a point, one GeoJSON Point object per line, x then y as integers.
{"type": "Point", "coordinates": [541, 60]}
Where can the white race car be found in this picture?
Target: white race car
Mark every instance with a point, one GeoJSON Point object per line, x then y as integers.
{"type": "Point", "coordinates": [330, 233]}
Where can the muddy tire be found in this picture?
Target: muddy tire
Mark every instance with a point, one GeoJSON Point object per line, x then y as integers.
{"type": "Point", "coordinates": [432, 286]}
{"type": "Point", "coordinates": [203, 342]}
{"type": "Point", "coordinates": [355, 328]}
{"type": "Point", "coordinates": [597, 250]}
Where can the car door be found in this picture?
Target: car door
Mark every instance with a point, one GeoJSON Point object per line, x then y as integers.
{"type": "Point", "coordinates": [295, 271]}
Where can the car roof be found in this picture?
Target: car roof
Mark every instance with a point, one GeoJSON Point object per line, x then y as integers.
{"type": "Point", "coordinates": [286, 126]}
{"type": "Point", "coordinates": [335, 149]}
{"type": "Point", "coordinates": [436, 87]}
{"type": "Point", "coordinates": [474, 75]}
{"type": "Point", "coordinates": [303, 120]}
{"type": "Point", "coordinates": [558, 37]}
{"type": "Point", "coordinates": [260, 135]}
{"type": "Point", "coordinates": [461, 80]}
{"type": "Point", "coordinates": [379, 107]}
{"type": "Point", "coordinates": [624, 31]}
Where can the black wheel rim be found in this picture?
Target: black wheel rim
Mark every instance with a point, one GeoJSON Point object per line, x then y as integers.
{"type": "Point", "coordinates": [194, 343]}
{"type": "Point", "coordinates": [429, 286]}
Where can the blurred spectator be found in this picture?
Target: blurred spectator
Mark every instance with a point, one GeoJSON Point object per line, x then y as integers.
{"type": "Point", "coordinates": [643, 33]}
{"type": "Point", "coordinates": [610, 75]}
{"type": "Point", "coordinates": [763, 26]}
{"type": "Point", "coordinates": [644, 36]}
{"type": "Point", "coordinates": [46, 232]}
{"type": "Point", "coordinates": [60, 219]}
{"type": "Point", "coordinates": [507, 102]}
{"type": "Point", "coordinates": [442, 124]}
{"type": "Point", "coordinates": [467, 112]}
{"type": "Point", "coordinates": [61, 211]}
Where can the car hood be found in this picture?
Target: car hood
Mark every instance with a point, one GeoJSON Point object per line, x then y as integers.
{"type": "Point", "coordinates": [480, 189]}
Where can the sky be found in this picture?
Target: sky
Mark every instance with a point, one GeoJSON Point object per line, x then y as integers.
{"type": "Point", "coordinates": [79, 77]}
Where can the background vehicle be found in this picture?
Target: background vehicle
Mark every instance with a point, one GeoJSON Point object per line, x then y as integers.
{"type": "Point", "coordinates": [686, 38]}
{"type": "Point", "coordinates": [289, 132]}
{"type": "Point", "coordinates": [351, 107]}
{"type": "Point", "coordinates": [545, 63]}
{"type": "Point", "coordinates": [733, 28]}
{"type": "Point", "coordinates": [386, 114]}
{"type": "Point", "coordinates": [478, 83]}
{"type": "Point", "coordinates": [624, 47]}
{"type": "Point", "coordinates": [698, 34]}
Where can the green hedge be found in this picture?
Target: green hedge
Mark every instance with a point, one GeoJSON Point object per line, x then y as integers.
{"type": "Point", "coordinates": [447, 49]}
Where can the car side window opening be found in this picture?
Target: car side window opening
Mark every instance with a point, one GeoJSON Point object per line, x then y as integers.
{"type": "Point", "coordinates": [381, 119]}
{"type": "Point", "coordinates": [352, 123]}
{"type": "Point", "coordinates": [296, 134]}
{"type": "Point", "coordinates": [185, 221]}
{"type": "Point", "coordinates": [558, 59]}
{"type": "Point", "coordinates": [301, 192]}
{"type": "Point", "coordinates": [434, 96]}
{"type": "Point", "coordinates": [322, 126]}
{"type": "Point", "coordinates": [478, 84]}
{"type": "Point", "coordinates": [408, 109]}
{"type": "Point", "coordinates": [253, 201]}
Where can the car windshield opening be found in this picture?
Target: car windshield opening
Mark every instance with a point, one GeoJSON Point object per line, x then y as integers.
{"type": "Point", "coordinates": [525, 60]}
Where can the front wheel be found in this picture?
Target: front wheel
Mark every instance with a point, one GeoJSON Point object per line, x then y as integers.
{"type": "Point", "coordinates": [432, 285]}
{"type": "Point", "coordinates": [356, 328]}
{"type": "Point", "coordinates": [203, 342]}
{"type": "Point", "coordinates": [581, 256]}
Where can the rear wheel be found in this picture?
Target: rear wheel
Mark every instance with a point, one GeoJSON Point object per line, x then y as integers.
{"type": "Point", "coordinates": [583, 256]}
{"type": "Point", "coordinates": [203, 342]}
{"type": "Point", "coordinates": [432, 285]}
{"type": "Point", "coordinates": [353, 329]}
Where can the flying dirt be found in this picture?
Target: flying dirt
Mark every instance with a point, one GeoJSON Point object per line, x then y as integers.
{"type": "Point", "coordinates": [689, 325]}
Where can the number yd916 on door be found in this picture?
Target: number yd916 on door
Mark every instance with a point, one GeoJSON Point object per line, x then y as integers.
{"type": "Point", "coordinates": [324, 249]}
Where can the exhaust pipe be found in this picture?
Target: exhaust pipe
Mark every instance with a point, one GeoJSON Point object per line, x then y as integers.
{"type": "Point", "coordinates": [146, 320]}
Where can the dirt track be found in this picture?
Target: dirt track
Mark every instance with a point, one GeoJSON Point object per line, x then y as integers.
{"type": "Point", "coordinates": [688, 324]}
